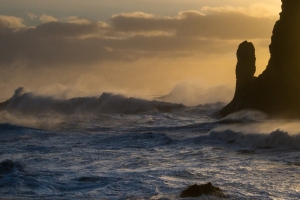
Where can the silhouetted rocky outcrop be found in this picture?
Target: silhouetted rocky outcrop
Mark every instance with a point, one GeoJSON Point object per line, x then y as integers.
{"type": "Point", "coordinates": [245, 79]}
{"type": "Point", "coordinates": [203, 189]}
{"type": "Point", "coordinates": [277, 90]}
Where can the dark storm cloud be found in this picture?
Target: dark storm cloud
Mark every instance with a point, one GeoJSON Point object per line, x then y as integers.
{"type": "Point", "coordinates": [223, 25]}
{"type": "Point", "coordinates": [60, 29]}
{"type": "Point", "coordinates": [125, 37]}
{"type": "Point", "coordinates": [53, 42]}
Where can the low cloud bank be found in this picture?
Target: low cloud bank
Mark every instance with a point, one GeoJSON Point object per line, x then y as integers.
{"type": "Point", "coordinates": [129, 36]}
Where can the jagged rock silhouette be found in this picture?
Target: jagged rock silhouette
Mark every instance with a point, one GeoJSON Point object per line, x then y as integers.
{"type": "Point", "coordinates": [245, 79]}
{"type": "Point", "coordinates": [277, 90]}
{"type": "Point", "coordinates": [203, 189]}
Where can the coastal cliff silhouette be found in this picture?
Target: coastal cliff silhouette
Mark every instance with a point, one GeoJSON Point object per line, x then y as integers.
{"type": "Point", "coordinates": [277, 90]}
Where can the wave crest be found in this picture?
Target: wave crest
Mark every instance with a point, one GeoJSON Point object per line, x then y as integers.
{"type": "Point", "coordinates": [29, 103]}
{"type": "Point", "coordinates": [244, 116]}
{"type": "Point", "coordinates": [277, 138]}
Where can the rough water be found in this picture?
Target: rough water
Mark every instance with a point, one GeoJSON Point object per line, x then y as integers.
{"type": "Point", "coordinates": [115, 147]}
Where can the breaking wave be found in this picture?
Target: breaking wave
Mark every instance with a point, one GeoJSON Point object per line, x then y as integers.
{"type": "Point", "coordinates": [244, 116]}
{"type": "Point", "coordinates": [277, 138]}
{"type": "Point", "coordinates": [28, 103]}
{"type": "Point", "coordinates": [10, 127]}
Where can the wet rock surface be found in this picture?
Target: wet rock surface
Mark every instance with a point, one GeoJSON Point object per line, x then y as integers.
{"type": "Point", "coordinates": [203, 189]}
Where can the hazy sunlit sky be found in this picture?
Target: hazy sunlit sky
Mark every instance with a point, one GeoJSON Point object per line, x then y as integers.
{"type": "Point", "coordinates": [147, 47]}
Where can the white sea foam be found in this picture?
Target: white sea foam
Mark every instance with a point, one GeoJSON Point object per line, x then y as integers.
{"type": "Point", "coordinates": [245, 116]}
{"type": "Point", "coordinates": [268, 133]}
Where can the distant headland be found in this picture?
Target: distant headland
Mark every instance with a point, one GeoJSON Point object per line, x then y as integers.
{"type": "Point", "coordinates": [277, 90]}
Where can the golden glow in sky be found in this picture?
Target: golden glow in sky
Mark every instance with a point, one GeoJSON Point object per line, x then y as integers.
{"type": "Point", "coordinates": [70, 48]}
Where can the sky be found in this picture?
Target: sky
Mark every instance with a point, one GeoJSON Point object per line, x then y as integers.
{"type": "Point", "coordinates": [145, 48]}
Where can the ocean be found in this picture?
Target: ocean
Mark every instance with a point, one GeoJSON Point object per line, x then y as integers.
{"type": "Point", "coordinates": [114, 147]}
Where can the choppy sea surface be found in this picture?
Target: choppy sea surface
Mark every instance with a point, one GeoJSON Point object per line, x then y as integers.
{"type": "Point", "coordinates": [115, 147]}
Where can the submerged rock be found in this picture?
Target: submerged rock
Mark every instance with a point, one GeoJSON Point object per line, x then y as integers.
{"type": "Point", "coordinates": [203, 189]}
{"type": "Point", "coordinates": [9, 166]}
{"type": "Point", "coordinates": [277, 90]}
{"type": "Point", "coordinates": [89, 179]}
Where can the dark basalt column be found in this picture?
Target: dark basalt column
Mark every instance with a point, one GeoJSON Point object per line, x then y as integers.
{"type": "Point", "coordinates": [277, 90]}
{"type": "Point", "coordinates": [245, 79]}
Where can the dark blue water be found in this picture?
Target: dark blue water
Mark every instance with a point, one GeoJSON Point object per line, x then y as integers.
{"type": "Point", "coordinates": [143, 150]}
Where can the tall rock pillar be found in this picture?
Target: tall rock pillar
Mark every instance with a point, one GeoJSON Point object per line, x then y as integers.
{"type": "Point", "coordinates": [244, 71]}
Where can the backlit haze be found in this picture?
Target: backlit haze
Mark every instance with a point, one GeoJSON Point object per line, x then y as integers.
{"type": "Point", "coordinates": [145, 48]}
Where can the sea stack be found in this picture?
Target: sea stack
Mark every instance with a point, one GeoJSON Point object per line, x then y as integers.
{"type": "Point", "coordinates": [277, 90]}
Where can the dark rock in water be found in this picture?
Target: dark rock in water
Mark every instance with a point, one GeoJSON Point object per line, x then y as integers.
{"type": "Point", "coordinates": [277, 90]}
{"type": "Point", "coordinates": [89, 179]}
{"type": "Point", "coordinates": [264, 147]}
{"type": "Point", "coordinates": [246, 151]}
{"type": "Point", "coordinates": [231, 142]}
{"type": "Point", "coordinates": [9, 166]}
{"type": "Point", "coordinates": [203, 189]}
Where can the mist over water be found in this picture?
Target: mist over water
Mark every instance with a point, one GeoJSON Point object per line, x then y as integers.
{"type": "Point", "coordinates": [191, 93]}
{"type": "Point", "coordinates": [56, 107]}
{"type": "Point", "coordinates": [61, 101]}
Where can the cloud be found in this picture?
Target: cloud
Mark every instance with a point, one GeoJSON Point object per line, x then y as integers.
{"type": "Point", "coordinates": [218, 23]}
{"type": "Point", "coordinates": [65, 29]}
{"type": "Point", "coordinates": [47, 18]}
{"type": "Point", "coordinates": [76, 20]}
{"type": "Point", "coordinates": [60, 43]}
{"type": "Point", "coordinates": [259, 10]}
{"type": "Point", "coordinates": [128, 37]}
{"type": "Point", "coordinates": [31, 16]}
{"type": "Point", "coordinates": [10, 22]}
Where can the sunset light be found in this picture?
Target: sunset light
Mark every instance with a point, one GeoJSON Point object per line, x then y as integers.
{"type": "Point", "coordinates": [149, 99]}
